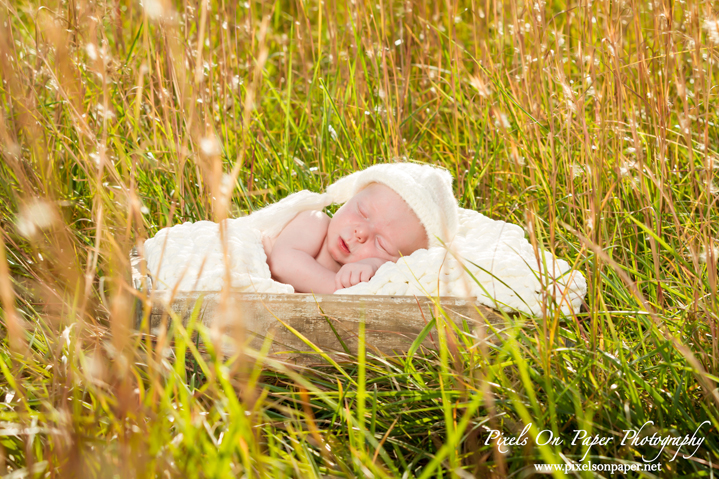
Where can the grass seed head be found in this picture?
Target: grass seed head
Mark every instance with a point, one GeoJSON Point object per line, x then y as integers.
{"type": "Point", "coordinates": [709, 253]}
{"type": "Point", "coordinates": [36, 216]}
{"type": "Point", "coordinates": [711, 25]}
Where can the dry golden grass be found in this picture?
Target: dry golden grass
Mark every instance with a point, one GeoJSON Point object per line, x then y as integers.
{"type": "Point", "coordinates": [593, 124]}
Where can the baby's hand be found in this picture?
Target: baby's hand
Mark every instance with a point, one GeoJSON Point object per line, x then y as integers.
{"type": "Point", "coordinates": [353, 273]}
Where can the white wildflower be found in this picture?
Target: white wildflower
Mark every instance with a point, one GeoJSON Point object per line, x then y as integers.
{"type": "Point", "coordinates": [37, 215]}
{"type": "Point", "coordinates": [96, 158]}
{"type": "Point", "coordinates": [711, 25]}
{"type": "Point", "coordinates": [578, 170]}
{"type": "Point", "coordinates": [154, 8]}
{"type": "Point", "coordinates": [502, 121]}
{"type": "Point", "coordinates": [93, 367]}
{"type": "Point", "coordinates": [685, 123]}
{"type": "Point", "coordinates": [210, 146]}
{"type": "Point", "coordinates": [590, 223]}
{"type": "Point", "coordinates": [706, 254]}
{"type": "Point", "coordinates": [91, 51]}
{"type": "Point", "coordinates": [481, 87]}
{"type": "Point", "coordinates": [626, 168]}
{"type": "Point", "coordinates": [226, 185]}
{"type": "Point", "coordinates": [519, 160]}
{"type": "Point", "coordinates": [332, 131]}
{"type": "Point", "coordinates": [103, 113]}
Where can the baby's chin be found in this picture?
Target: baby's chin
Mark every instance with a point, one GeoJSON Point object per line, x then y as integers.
{"type": "Point", "coordinates": [336, 257]}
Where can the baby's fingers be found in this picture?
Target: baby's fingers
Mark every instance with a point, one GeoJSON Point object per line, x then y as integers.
{"type": "Point", "coordinates": [341, 279]}
{"type": "Point", "coordinates": [338, 283]}
{"type": "Point", "coordinates": [366, 274]}
{"type": "Point", "coordinates": [347, 278]}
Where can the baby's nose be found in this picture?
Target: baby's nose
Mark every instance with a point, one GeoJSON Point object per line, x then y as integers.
{"type": "Point", "coordinates": [361, 233]}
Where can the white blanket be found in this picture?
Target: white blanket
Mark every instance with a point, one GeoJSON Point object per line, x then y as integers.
{"type": "Point", "coordinates": [191, 257]}
{"type": "Point", "coordinates": [488, 260]}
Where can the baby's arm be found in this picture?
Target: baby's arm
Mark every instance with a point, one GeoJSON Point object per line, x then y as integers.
{"type": "Point", "coordinates": [292, 259]}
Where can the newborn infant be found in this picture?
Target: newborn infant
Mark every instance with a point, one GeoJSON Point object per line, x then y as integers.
{"type": "Point", "coordinates": [388, 211]}
{"type": "Point", "coordinates": [318, 254]}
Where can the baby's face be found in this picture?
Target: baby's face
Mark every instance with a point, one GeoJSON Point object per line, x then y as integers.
{"type": "Point", "coordinates": [374, 223]}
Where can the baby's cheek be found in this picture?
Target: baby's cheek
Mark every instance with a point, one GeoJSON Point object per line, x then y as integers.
{"type": "Point", "coordinates": [363, 253]}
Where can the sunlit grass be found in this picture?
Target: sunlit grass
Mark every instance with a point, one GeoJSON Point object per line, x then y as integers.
{"type": "Point", "coordinates": [593, 125]}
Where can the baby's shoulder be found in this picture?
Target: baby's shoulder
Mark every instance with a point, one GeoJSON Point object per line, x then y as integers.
{"type": "Point", "coordinates": [308, 225]}
{"type": "Point", "coordinates": [306, 232]}
{"type": "Point", "coordinates": [312, 218]}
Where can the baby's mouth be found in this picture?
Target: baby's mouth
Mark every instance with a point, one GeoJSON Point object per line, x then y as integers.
{"type": "Point", "coordinates": [343, 246]}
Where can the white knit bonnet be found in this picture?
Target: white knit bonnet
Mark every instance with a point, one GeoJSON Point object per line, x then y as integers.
{"type": "Point", "coordinates": [426, 189]}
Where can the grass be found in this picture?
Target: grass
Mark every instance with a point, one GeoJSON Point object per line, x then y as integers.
{"type": "Point", "coordinates": [591, 124]}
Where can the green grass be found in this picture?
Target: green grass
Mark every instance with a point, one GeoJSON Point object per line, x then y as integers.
{"type": "Point", "coordinates": [593, 125]}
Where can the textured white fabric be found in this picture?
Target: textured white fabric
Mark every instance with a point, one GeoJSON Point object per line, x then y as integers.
{"type": "Point", "coordinates": [505, 273]}
{"type": "Point", "coordinates": [193, 258]}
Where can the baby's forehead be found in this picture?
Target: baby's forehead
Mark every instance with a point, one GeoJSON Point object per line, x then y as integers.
{"type": "Point", "coordinates": [377, 189]}
{"type": "Point", "coordinates": [382, 196]}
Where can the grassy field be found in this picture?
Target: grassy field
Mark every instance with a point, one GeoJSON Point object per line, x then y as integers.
{"type": "Point", "coordinates": [593, 124]}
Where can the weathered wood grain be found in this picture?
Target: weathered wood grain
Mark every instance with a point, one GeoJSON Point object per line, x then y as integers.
{"type": "Point", "coordinates": [392, 323]}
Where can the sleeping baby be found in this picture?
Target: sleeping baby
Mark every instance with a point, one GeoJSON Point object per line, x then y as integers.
{"type": "Point", "coordinates": [389, 211]}
{"type": "Point", "coordinates": [318, 254]}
